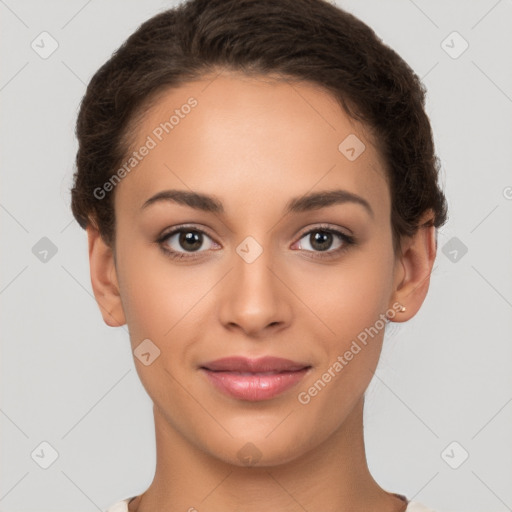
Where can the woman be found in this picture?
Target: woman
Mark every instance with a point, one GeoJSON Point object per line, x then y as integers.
{"type": "Point", "coordinates": [260, 192]}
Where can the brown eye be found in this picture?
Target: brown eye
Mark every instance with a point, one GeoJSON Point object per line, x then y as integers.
{"type": "Point", "coordinates": [182, 241]}
{"type": "Point", "coordinates": [190, 240]}
{"type": "Point", "coordinates": [320, 240]}
{"type": "Point", "coordinates": [325, 240]}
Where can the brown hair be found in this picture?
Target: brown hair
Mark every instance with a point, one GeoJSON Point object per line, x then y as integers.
{"type": "Point", "coordinates": [309, 40]}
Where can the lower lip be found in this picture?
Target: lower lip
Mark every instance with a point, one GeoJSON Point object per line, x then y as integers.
{"type": "Point", "coordinates": [254, 387]}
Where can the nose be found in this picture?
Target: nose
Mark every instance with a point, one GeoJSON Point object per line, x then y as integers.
{"type": "Point", "coordinates": [254, 297]}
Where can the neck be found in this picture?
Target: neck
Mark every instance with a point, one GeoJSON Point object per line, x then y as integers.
{"type": "Point", "coordinates": [332, 477]}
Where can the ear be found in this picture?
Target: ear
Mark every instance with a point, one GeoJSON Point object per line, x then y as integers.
{"type": "Point", "coordinates": [413, 269]}
{"type": "Point", "coordinates": [104, 279]}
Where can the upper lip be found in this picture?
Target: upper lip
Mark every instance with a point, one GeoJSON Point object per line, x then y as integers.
{"type": "Point", "coordinates": [262, 364]}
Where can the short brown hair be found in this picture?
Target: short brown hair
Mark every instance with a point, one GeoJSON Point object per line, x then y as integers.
{"type": "Point", "coordinates": [310, 40]}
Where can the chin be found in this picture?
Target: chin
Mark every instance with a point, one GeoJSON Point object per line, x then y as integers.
{"type": "Point", "coordinates": [258, 449]}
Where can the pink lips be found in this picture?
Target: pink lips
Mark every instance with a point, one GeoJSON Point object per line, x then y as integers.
{"type": "Point", "coordinates": [254, 379]}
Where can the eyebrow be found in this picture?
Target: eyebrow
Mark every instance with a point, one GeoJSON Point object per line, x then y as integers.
{"type": "Point", "coordinates": [311, 201]}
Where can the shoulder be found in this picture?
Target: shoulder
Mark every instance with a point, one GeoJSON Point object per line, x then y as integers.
{"type": "Point", "coordinates": [414, 506]}
{"type": "Point", "coordinates": [122, 506]}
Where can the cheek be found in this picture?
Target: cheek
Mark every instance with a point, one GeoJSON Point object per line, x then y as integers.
{"type": "Point", "coordinates": [351, 308]}
{"type": "Point", "coordinates": [351, 296]}
{"type": "Point", "coordinates": [164, 303]}
{"type": "Point", "coordinates": [154, 293]}
{"type": "Point", "coordinates": [350, 303]}
{"type": "Point", "coordinates": [158, 306]}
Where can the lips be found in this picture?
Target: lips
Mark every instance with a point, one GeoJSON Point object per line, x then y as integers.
{"type": "Point", "coordinates": [266, 364]}
{"type": "Point", "coordinates": [254, 379]}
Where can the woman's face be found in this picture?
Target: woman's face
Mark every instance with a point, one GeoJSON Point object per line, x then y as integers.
{"type": "Point", "coordinates": [258, 270]}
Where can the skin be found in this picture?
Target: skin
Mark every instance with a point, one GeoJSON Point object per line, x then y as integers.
{"type": "Point", "coordinates": [254, 144]}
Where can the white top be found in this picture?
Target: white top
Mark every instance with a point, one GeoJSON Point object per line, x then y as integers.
{"type": "Point", "coordinates": [122, 506]}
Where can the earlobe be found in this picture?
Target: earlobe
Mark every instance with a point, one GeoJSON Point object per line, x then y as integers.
{"type": "Point", "coordinates": [415, 267]}
{"type": "Point", "coordinates": [104, 279]}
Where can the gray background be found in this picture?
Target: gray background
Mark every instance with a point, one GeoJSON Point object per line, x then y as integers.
{"type": "Point", "coordinates": [70, 380]}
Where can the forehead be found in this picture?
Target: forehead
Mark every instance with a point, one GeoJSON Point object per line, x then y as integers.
{"type": "Point", "coordinates": [252, 138]}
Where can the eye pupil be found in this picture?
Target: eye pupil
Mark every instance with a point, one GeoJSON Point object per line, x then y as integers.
{"type": "Point", "coordinates": [191, 237]}
{"type": "Point", "coordinates": [320, 237]}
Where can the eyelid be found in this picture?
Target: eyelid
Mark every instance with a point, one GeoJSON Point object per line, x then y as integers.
{"type": "Point", "coordinates": [326, 227]}
{"type": "Point", "coordinates": [194, 227]}
{"type": "Point", "coordinates": [347, 239]}
{"type": "Point", "coordinates": [182, 227]}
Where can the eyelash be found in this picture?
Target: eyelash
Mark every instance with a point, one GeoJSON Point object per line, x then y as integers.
{"type": "Point", "coordinates": [347, 240]}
